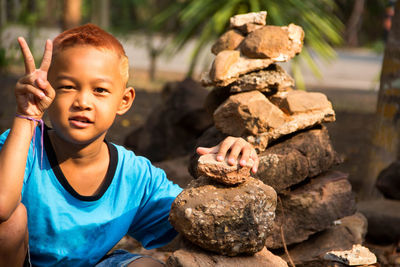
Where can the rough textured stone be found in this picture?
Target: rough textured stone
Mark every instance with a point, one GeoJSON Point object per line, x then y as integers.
{"type": "Point", "coordinates": [358, 255]}
{"type": "Point", "coordinates": [208, 139]}
{"type": "Point", "coordinates": [274, 42]}
{"type": "Point", "coordinates": [342, 235]}
{"type": "Point", "coordinates": [228, 220]}
{"type": "Point", "coordinates": [221, 171]}
{"type": "Point", "coordinates": [291, 161]}
{"type": "Point", "coordinates": [193, 257]}
{"type": "Point", "coordinates": [383, 219]}
{"type": "Point", "coordinates": [181, 116]}
{"type": "Point", "coordinates": [223, 62]}
{"type": "Point", "coordinates": [230, 40]}
{"type": "Point", "coordinates": [296, 101]}
{"type": "Point", "coordinates": [231, 71]}
{"type": "Point", "coordinates": [295, 123]}
{"type": "Point", "coordinates": [388, 181]}
{"type": "Point", "coordinates": [248, 113]}
{"type": "Point", "coordinates": [311, 208]}
{"type": "Point", "coordinates": [253, 17]}
{"type": "Point", "coordinates": [269, 80]}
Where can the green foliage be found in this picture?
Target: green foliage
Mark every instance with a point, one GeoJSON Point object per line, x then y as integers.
{"type": "Point", "coordinates": [208, 19]}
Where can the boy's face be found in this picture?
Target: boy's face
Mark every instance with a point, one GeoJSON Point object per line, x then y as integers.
{"type": "Point", "coordinates": [90, 91]}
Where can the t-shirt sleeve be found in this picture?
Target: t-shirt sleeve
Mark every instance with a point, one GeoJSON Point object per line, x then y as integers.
{"type": "Point", "coordinates": [3, 138]}
{"type": "Point", "coordinates": [150, 225]}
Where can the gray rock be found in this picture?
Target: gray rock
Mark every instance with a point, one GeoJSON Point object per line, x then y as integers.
{"type": "Point", "coordinates": [311, 208]}
{"type": "Point", "coordinates": [194, 257]}
{"type": "Point", "coordinates": [269, 80]}
{"type": "Point", "coordinates": [227, 220]}
{"type": "Point", "coordinates": [383, 219]}
{"type": "Point", "coordinates": [248, 28]}
{"type": "Point", "coordinates": [306, 154]}
{"type": "Point", "coordinates": [342, 235]}
{"type": "Point", "coordinates": [222, 171]}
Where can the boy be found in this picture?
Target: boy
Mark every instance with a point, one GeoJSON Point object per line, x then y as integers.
{"type": "Point", "coordinates": [80, 194]}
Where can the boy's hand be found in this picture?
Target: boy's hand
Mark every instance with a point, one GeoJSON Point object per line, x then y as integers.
{"type": "Point", "coordinates": [33, 92]}
{"type": "Point", "coordinates": [235, 146]}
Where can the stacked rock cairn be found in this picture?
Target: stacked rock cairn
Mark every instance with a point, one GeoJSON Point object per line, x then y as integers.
{"type": "Point", "coordinates": [294, 200]}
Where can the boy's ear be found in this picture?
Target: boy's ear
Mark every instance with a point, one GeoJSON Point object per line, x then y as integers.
{"type": "Point", "coordinates": [126, 101]}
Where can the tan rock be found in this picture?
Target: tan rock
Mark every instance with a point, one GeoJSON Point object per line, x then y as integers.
{"type": "Point", "coordinates": [294, 123]}
{"type": "Point", "coordinates": [311, 208]}
{"type": "Point", "coordinates": [248, 28]}
{"type": "Point", "coordinates": [194, 257]}
{"type": "Point", "coordinates": [296, 101]}
{"type": "Point", "coordinates": [229, 72]}
{"type": "Point", "coordinates": [223, 63]}
{"type": "Point", "coordinates": [248, 113]}
{"type": "Point", "coordinates": [358, 255]}
{"type": "Point", "coordinates": [277, 43]}
{"type": "Point", "coordinates": [228, 220]}
{"type": "Point", "coordinates": [221, 171]}
{"type": "Point", "coordinates": [253, 17]}
{"type": "Point", "coordinates": [230, 40]}
{"type": "Point", "coordinates": [269, 80]}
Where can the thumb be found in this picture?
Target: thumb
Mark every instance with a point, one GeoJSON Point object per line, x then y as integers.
{"type": "Point", "coordinates": [207, 150]}
{"type": "Point", "coordinates": [45, 86]}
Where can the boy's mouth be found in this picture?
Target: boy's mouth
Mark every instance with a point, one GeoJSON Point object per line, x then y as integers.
{"type": "Point", "coordinates": [80, 121]}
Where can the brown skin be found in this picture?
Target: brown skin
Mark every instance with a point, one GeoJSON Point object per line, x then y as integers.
{"type": "Point", "coordinates": [82, 97]}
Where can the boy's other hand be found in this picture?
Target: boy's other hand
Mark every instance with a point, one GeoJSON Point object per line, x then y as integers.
{"type": "Point", "coordinates": [233, 147]}
{"type": "Point", "coordinates": [33, 92]}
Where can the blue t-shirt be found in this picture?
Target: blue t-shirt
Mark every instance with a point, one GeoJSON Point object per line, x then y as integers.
{"type": "Point", "coordinates": [68, 229]}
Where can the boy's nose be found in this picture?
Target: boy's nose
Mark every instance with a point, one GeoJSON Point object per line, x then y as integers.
{"type": "Point", "coordinates": [83, 100]}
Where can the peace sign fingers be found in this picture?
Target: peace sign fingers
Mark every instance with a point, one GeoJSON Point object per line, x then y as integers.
{"type": "Point", "coordinates": [28, 58]}
{"type": "Point", "coordinates": [48, 50]}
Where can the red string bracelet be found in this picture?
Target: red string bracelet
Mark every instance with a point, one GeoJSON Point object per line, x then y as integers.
{"type": "Point", "coordinates": [39, 121]}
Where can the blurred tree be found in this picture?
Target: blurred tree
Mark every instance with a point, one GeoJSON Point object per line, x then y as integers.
{"type": "Point", "coordinates": [354, 23]}
{"type": "Point", "coordinates": [101, 13]}
{"type": "Point", "coordinates": [72, 14]}
{"type": "Point", "coordinates": [208, 19]}
{"type": "Point", "coordinates": [386, 137]}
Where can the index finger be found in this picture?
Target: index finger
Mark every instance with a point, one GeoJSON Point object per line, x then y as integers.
{"type": "Point", "coordinates": [48, 51]}
{"type": "Point", "coordinates": [28, 58]}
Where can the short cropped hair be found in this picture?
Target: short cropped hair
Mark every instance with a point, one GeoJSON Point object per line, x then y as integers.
{"type": "Point", "coordinates": [92, 35]}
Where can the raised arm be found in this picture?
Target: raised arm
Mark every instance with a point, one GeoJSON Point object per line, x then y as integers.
{"type": "Point", "coordinates": [33, 95]}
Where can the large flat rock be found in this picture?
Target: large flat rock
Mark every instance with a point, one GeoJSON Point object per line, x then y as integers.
{"type": "Point", "coordinates": [269, 81]}
{"type": "Point", "coordinates": [311, 208]}
{"type": "Point", "coordinates": [228, 220]}
{"type": "Point", "coordinates": [383, 219]}
{"type": "Point", "coordinates": [306, 154]}
{"type": "Point", "coordinates": [342, 235]}
{"type": "Point", "coordinates": [248, 113]}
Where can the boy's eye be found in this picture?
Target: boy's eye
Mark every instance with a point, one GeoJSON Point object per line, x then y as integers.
{"type": "Point", "coordinates": [68, 87]}
{"type": "Point", "coordinates": [100, 90]}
